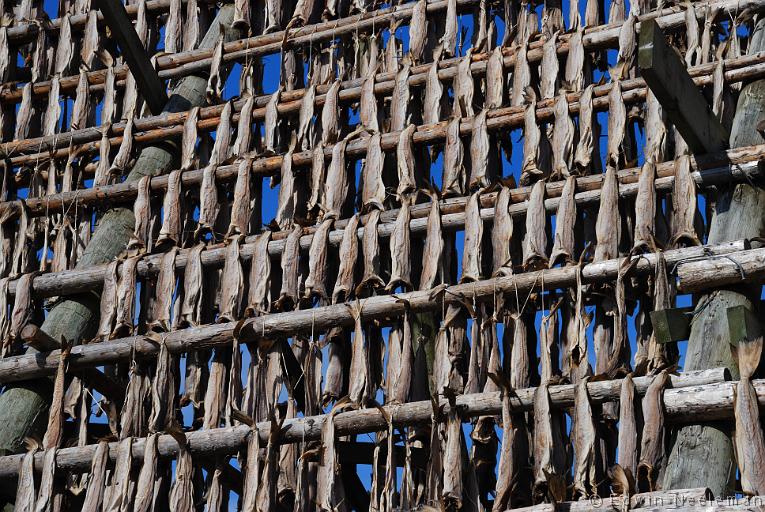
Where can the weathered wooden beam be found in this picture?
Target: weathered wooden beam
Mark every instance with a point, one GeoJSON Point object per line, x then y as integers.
{"type": "Point", "coordinates": [276, 325]}
{"type": "Point", "coordinates": [695, 394]}
{"type": "Point", "coordinates": [682, 101]}
{"type": "Point", "coordinates": [744, 268]}
{"type": "Point", "coordinates": [151, 87]}
{"type": "Point", "coordinates": [674, 499]}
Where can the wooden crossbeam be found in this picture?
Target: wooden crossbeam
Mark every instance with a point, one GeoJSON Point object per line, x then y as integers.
{"type": "Point", "coordinates": [666, 76]}
{"type": "Point", "coordinates": [151, 87]}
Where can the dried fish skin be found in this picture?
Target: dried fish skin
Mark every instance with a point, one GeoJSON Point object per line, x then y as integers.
{"type": "Point", "coordinates": [368, 115]}
{"type": "Point", "coordinates": [23, 306]}
{"type": "Point", "coordinates": [271, 122]}
{"type": "Point", "coordinates": [608, 223]}
{"type": "Point", "coordinates": [495, 80]}
{"type": "Point", "coordinates": [535, 239]}
{"type": "Point", "coordinates": [232, 283]}
{"type": "Point", "coordinates": [370, 245]}
{"type": "Point", "coordinates": [482, 168]}
{"type": "Point", "coordinates": [192, 288]}
{"type": "Point", "coordinates": [407, 177]}
{"type": "Point", "coordinates": [289, 294]}
{"type": "Point", "coordinates": [372, 186]}
{"type": "Point", "coordinates": [434, 246]}
{"type": "Point", "coordinates": [627, 46]}
{"type": "Point", "coordinates": [189, 139]}
{"type": "Point", "coordinates": [241, 209]}
{"type": "Point", "coordinates": [399, 102]}
{"type": "Point", "coordinates": [287, 200]}
{"type": "Point", "coordinates": [162, 306]}
{"type": "Point", "coordinates": [316, 282]}
{"type": "Point", "coordinates": [452, 493]}
{"type": "Point", "coordinates": [563, 138]}
{"type": "Point", "coordinates": [349, 252]}
{"type": "Point", "coordinates": [418, 31]}
{"type": "Point", "coordinates": [617, 120]}
{"type": "Point", "coordinates": [684, 209]}
{"type": "Point", "coordinates": [502, 234]}
{"type": "Point", "coordinates": [549, 67]}
{"type": "Point", "coordinates": [532, 138]}
{"type": "Point", "coordinates": [645, 209]}
{"type": "Point", "coordinates": [629, 433]}
{"type": "Point", "coordinates": [472, 259]}
{"type": "Point", "coordinates": [209, 207]}
{"type": "Point", "coordinates": [549, 459]}
{"type": "Point", "coordinates": [454, 176]}
{"type": "Point", "coordinates": [337, 185]}
{"type": "Point", "coordinates": [652, 452]}
{"type": "Point", "coordinates": [108, 301]}
{"type": "Point", "coordinates": [521, 76]}
{"type": "Point", "coordinates": [585, 443]}
{"type": "Point", "coordinates": [584, 148]}
{"type": "Point", "coordinates": [574, 72]}
{"type": "Point", "coordinates": [142, 213]}
{"type": "Point", "coordinates": [401, 265]}
{"type": "Point", "coordinates": [330, 115]}
{"type": "Point", "coordinates": [434, 91]}
{"type": "Point", "coordinates": [565, 220]}
{"type": "Point", "coordinates": [464, 87]}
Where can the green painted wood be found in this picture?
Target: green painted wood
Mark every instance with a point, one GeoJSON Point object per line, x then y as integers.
{"type": "Point", "coordinates": [671, 324]}
{"type": "Point", "coordinates": [743, 325]}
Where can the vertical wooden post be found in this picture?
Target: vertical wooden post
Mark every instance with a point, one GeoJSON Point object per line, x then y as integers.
{"type": "Point", "coordinates": [702, 455]}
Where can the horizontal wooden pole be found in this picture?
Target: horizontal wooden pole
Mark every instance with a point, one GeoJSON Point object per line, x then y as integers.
{"type": "Point", "coordinates": [672, 499]}
{"type": "Point", "coordinates": [710, 386]}
{"type": "Point", "coordinates": [742, 268]}
{"type": "Point", "coordinates": [316, 320]}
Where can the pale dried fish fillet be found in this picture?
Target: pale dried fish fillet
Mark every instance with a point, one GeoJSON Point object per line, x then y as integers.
{"type": "Point", "coordinates": [548, 70]}
{"type": "Point", "coordinates": [316, 282]}
{"type": "Point", "coordinates": [482, 165]}
{"type": "Point", "coordinates": [472, 258]}
{"type": "Point", "coordinates": [652, 449]}
{"type": "Point", "coordinates": [453, 181]}
{"type": "Point", "coordinates": [565, 221]}
{"type": "Point", "coordinates": [349, 251]}
{"type": "Point", "coordinates": [608, 221]}
{"type": "Point", "coordinates": [535, 239]}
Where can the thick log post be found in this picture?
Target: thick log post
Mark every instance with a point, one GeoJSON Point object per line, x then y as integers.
{"type": "Point", "coordinates": [23, 408]}
{"type": "Point", "coordinates": [702, 454]}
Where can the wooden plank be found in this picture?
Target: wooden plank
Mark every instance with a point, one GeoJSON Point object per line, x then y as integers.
{"type": "Point", "coordinates": [666, 75]}
{"type": "Point", "coordinates": [152, 89]}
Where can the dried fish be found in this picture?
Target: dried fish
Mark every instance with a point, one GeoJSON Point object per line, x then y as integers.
{"type": "Point", "coordinates": [407, 180]}
{"type": "Point", "coordinates": [450, 343]}
{"type": "Point", "coordinates": [502, 234]}
{"type": "Point", "coordinates": [464, 87]}
{"type": "Point", "coordinates": [330, 115]}
{"type": "Point", "coordinates": [217, 387]}
{"type": "Point", "coordinates": [122, 158]}
{"type": "Point", "coordinates": [5, 59]}
{"type": "Point", "coordinates": [251, 471]}
{"type": "Point", "coordinates": [216, 80]}
{"type": "Point", "coordinates": [548, 70]}
{"type": "Point", "coordinates": [244, 128]}
{"type": "Point", "coordinates": [532, 137]}
{"type": "Point", "coordinates": [209, 207]}
{"type": "Point", "coordinates": [574, 73]}
{"type": "Point", "coordinates": [627, 46]}
{"type": "Point", "coordinates": [142, 213]}
{"type": "Point", "coordinates": [94, 495]}
{"type": "Point", "coordinates": [592, 14]}
{"type": "Point", "coordinates": [521, 77]}
{"type": "Point", "coordinates": [684, 208]}
{"type": "Point", "coordinates": [221, 149]}
{"type": "Point", "coordinates": [46, 494]}
{"type": "Point", "coordinates": [472, 263]}
{"type": "Point", "coordinates": [586, 478]}
{"type": "Point", "coordinates": [53, 110]}
{"type": "Point", "coordinates": [607, 225]}
{"type": "Point", "coordinates": [317, 179]}
{"type": "Point", "coordinates": [495, 80]}
{"type": "Point", "coordinates": [337, 185]}
{"type": "Point", "coordinates": [241, 209]}
{"type": "Point", "coordinates": [549, 459]}
{"type": "Point", "coordinates": [65, 47]}
{"type": "Point", "coordinates": [102, 176]}
{"type": "Point", "coordinates": [434, 93]}
{"type": "Point", "coordinates": [370, 245]}
{"type": "Point", "coordinates": [511, 456]}
{"type": "Point", "coordinates": [372, 186]}
{"type": "Point", "coordinates": [585, 147]}
{"type": "Point", "coordinates": [316, 282]}
{"type": "Point", "coordinates": [693, 50]}
{"type": "Point", "coordinates": [418, 31]}
{"type": "Point", "coordinates": [181, 496]}
{"type": "Point", "coordinates": [120, 499]}
{"type": "Point", "coordinates": [162, 305]}
{"type": "Point", "coordinates": [330, 492]}
{"type": "Point", "coordinates": [482, 164]}
{"type": "Point", "coordinates": [565, 220]}
{"type": "Point", "coordinates": [144, 493]}
{"type": "Point", "coordinates": [401, 264]}
{"type": "Point", "coordinates": [645, 209]}
{"type": "Point", "coordinates": [305, 117]}
{"type": "Point", "coordinates": [349, 251]}
{"type": "Point", "coordinates": [232, 283]}
{"type": "Point", "coordinates": [26, 112]}
{"type": "Point", "coordinates": [629, 433]}
{"type": "Point", "coordinates": [130, 98]}
{"type": "Point", "coordinates": [563, 138]}
{"type": "Point", "coordinates": [451, 27]}
{"type": "Point", "coordinates": [189, 140]}
{"type": "Point", "coordinates": [749, 440]}
{"type": "Point", "coordinates": [360, 381]}
{"type": "Point", "coordinates": [23, 306]}
{"type": "Point", "coordinates": [617, 119]}
{"type": "Point", "coordinates": [368, 115]}
{"type": "Point", "coordinates": [399, 102]}
{"type": "Point", "coordinates": [108, 107]}
{"type": "Point", "coordinates": [652, 450]}
{"type": "Point", "coordinates": [535, 239]}
{"type": "Point", "coordinates": [108, 301]}
{"type": "Point", "coordinates": [191, 28]}
{"type": "Point", "coordinates": [454, 178]}
{"type": "Point", "coordinates": [289, 294]}
{"type": "Point", "coordinates": [173, 28]}
{"type": "Point", "coordinates": [271, 122]}
{"type": "Point", "coordinates": [655, 129]}
{"type": "Point", "coordinates": [287, 201]}
{"type": "Point", "coordinates": [192, 288]}
{"type": "Point", "coordinates": [452, 493]}
{"type": "Point", "coordinates": [400, 362]}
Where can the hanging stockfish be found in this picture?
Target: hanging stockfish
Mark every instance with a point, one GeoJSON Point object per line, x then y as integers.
{"type": "Point", "coordinates": [433, 481]}
{"type": "Point", "coordinates": [452, 493]}
{"type": "Point", "coordinates": [495, 80]}
{"type": "Point", "coordinates": [608, 221]}
{"type": "Point", "coordinates": [532, 138]}
{"type": "Point", "coordinates": [94, 495]}
{"type": "Point", "coordinates": [189, 139]}
{"type": "Point", "coordinates": [241, 209]}
{"type": "Point", "coordinates": [585, 147]}
{"type": "Point", "coordinates": [108, 308]}
{"type": "Point", "coordinates": [118, 497]}
{"type": "Point", "coordinates": [407, 179]}
{"type": "Point", "coordinates": [142, 23]}
{"type": "Point", "coordinates": [434, 246]}
{"type": "Point", "coordinates": [549, 457]}
{"type": "Point", "coordinates": [259, 294]}
{"type": "Point", "coordinates": [337, 185]}
{"type": "Point", "coordinates": [477, 368]}
{"type": "Point", "coordinates": [53, 110]}
{"type": "Point", "coordinates": [330, 115]}
{"type": "Point", "coordinates": [684, 211]}
{"type": "Point", "coordinates": [372, 186]}
{"type": "Point", "coordinates": [191, 28]}
{"type": "Point", "coordinates": [21, 247]}
{"type": "Point", "coordinates": [162, 305]}
{"type": "Point", "coordinates": [434, 93]}
{"type": "Point", "coordinates": [25, 113]}
{"type": "Point", "coordinates": [370, 245]}
{"type": "Point", "coordinates": [450, 342]}
{"type": "Point", "coordinates": [251, 471]}
{"type": "Point", "coordinates": [232, 283]}
{"type": "Point", "coordinates": [122, 159]}
{"type": "Point", "coordinates": [287, 200]}
{"type": "Point", "coordinates": [535, 239]}
{"type": "Point", "coordinates": [163, 390]}
{"type": "Point", "coordinates": [290, 260]}
{"type": "Point", "coordinates": [521, 77]}
{"type": "Point", "coordinates": [317, 180]}
{"type": "Point", "coordinates": [287, 486]}
{"type": "Point", "coordinates": [191, 313]}
{"type": "Point", "coordinates": [136, 408]}
{"type": "Point", "coordinates": [23, 306]}
{"type": "Point", "coordinates": [655, 129]}
{"type": "Point", "coordinates": [109, 105]}
{"type": "Point", "coordinates": [472, 263]}
{"type": "Point", "coordinates": [360, 379]}
{"type": "Point", "coordinates": [399, 102]}
{"type": "Point", "coordinates": [749, 442]}
{"type": "Point", "coordinates": [400, 366]}
{"type": "Point", "coordinates": [181, 497]}
{"type": "Point", "coordinates": [305, 118]}
{"type": "Point", "coordinates": [316, 282]}
{"type": "Point", "coordinates": [693, 50]}
{"type": "Point", "coordinates": [337, 342]}
{"type": "Point", "coordinates": [565, 220]}
{"type": "Point", "coordinates": [330, 492]}
{"type": "Point", "coordinates": [548, 70]}
{"type": "Point", "coordinates": [144, 492]}
{"type": "Point", "coordinates": [401, 265]}
{"type": "Point", "coordinates": [65, 47]}
{"type": "Point", "coordinates": [448, 41]}
{"type": "Point", "coordinates": [216, 393]}
{"type": "Point", "coordinates": [266, 498]}
{"type": "Point", "coordinates": [271, 122]}
{"type": "Point", "coordinates": [368, 115]}
{"type": "Point", "coordinates": [90, 42]}
{"type": "Point", "coordinates": [645, 209]}
{"type": "Point", "coordinates": [562, 138]}
{"type": "Point", "coordinates": [592, 14]}
{"type": "Point", "coordinates": [209, 206]}
{"type": "Point", "coordinates": [348, 254]}
{"type": "Point", "coordinates": [482, 164]}
{"type": "Point", "coordinates": [46, 497]}
{"type": "Point", "coordinates": [125, 298]}
{"type": "Point", "coordinates": [221, 149]}
{"type": "Point", "coordinates": [244, 127]}
{"type": "Point", "coordinates": [142, 213]}
{"type": "Point", "coordinates": [652, 452]}
{"type": "Point", "coordinates": [463, 87]}
{"type": "Point", "coordinates": [661, 355]}
{"type": "Point", "coordinates": [5, 59]}
{"type": "Point", "coordinates": [629, 431]}
{"type": "Point", "coordinates": [617, 119]}
{"type": "Point", "coordinates": [102, 176]}
{"type": "Point", "coordinates": [130, 97]}
{"type": "Point", "coordinates": [586, 478]}
{"type": "Point", "coordinates": [454, 178]}
{"type": "Point", "coordinates": [548, 345]}
{"type": "Point", "coordinates": [502, 234]}
{"type": "Point", "coordinates": [511, 462]}
{"type": "Point", "coordinates": [418, 31]}
{"type": "Point", "coordinates": [173, 25]}
{"type": "Point", "coordinates": [216, 81]}
{"type": "Point", "coordinates": [5, 321]}
{"type": "Point", "coordinates": [627, 46]}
